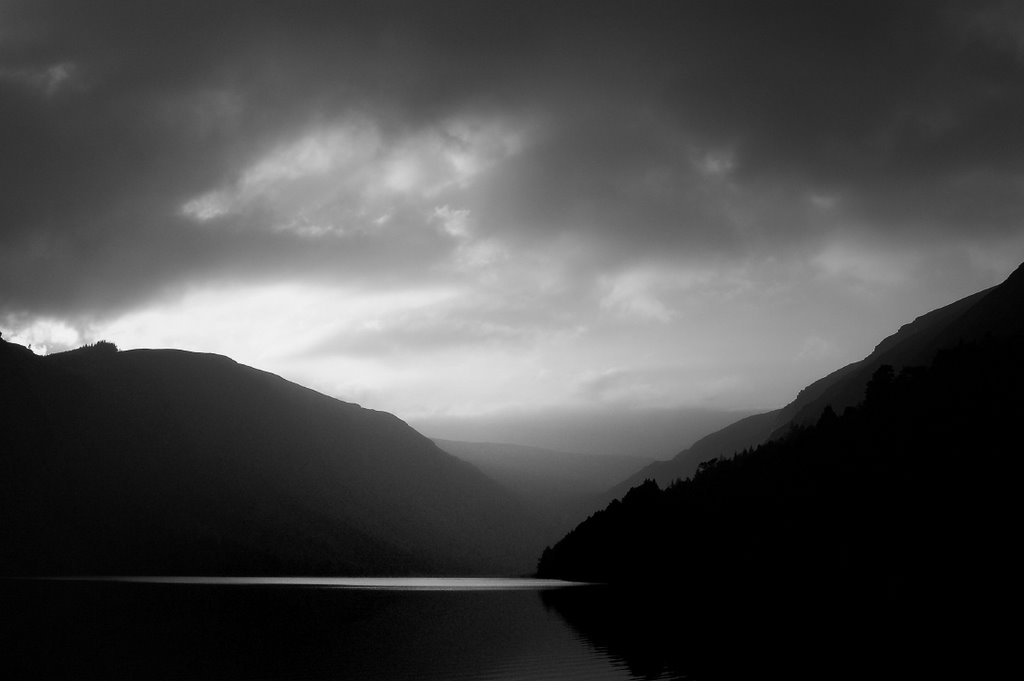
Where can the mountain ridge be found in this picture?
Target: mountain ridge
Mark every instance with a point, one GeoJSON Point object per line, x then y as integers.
{"type": "Point", "coordinates": [904, 495]}
{"type": "Point", "coordinates": [165, 460]}
{"type": "Point", "coordinates": [915, 342]}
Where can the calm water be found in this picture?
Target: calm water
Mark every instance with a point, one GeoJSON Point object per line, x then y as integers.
{"type": "Point", "coordinates": [181, 628]}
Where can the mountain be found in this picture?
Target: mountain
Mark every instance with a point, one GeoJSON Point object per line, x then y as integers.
{"type": "Point", "coordinates": [904, 498]}
{"type": "Point", "coordinates": [915, 343]}
{"type": "Point", "coordinates": [906, 501]}
{"type": "Point", "coordinates": [556, 484]}
{"type": "Point", "coordinates": [164, 461]}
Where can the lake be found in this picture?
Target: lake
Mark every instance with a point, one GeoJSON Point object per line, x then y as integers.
{"type": "Point", "coordinates": [314, 628]}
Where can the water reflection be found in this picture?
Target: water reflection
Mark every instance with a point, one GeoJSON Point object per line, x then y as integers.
{"type": "Point", "coordinates": [630, 627]}
{"type": "Point", "coordinates": [371, 583]}
{"type": "Point", "coordinates": [655, 633]}
{"type": "Point", "coordinates": [121, 630]}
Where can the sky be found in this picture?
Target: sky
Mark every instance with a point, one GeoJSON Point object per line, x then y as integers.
{"type": "Point", "coordinates": [550, 222]}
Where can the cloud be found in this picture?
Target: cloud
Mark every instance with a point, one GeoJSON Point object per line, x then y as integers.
{"type": "Point", "coordinates": [689, 129]}
{"type": "Point", "coordinates": [44, 335]}
{"type": "Point", "coordinates": [660, 387]}
{"type": "Point", "coordinates": [46, 80]}
{"type": "Point", "coordinates": [349, 175]}
{"type": "Point", "coordinates": [865, 266]}
{"type": "Point", "coordinates": [815, 348]}
{"type": "Point", "coordinates": [600, 187]}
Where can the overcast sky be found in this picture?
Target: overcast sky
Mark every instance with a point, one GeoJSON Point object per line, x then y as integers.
{"type": "Point", "coordinates": [467, 211]}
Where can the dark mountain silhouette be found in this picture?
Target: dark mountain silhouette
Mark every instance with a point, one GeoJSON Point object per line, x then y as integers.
{"type": "Point", "coordinates": [903, 502]}
{"type": "Point", "coordinates": [863, 531]}
{"type": "Point", "coordinates": [163, 461]}
{"type": "Point", "coordinates": [558, 485]}
{"type": "Point", "coordinates": [876, 542]}
{"type": "Point", "coordinates": [915, 343]}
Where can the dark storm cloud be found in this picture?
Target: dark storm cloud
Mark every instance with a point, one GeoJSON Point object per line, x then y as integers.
{"type": "Point", "coordinates": [904, 114]}
{"type": "Point", "coordinates": [660, 127]}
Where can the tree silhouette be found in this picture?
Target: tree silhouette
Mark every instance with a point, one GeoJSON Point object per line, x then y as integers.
{"type": "Point", "coordinates": [880, 383]}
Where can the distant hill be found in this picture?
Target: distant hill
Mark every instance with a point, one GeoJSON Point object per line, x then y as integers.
{"type": "Point", "coordinates": [915, 343]}
{"type": "Point", "coordinates": [556, 484]}
{"type": "Point", "coordinates": [740, 435]}
{"type": "Point", "coordinates": [163, 461]}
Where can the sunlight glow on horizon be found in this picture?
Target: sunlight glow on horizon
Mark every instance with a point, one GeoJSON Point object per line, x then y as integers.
{"type": "Point", "coordinates": [648, 338]}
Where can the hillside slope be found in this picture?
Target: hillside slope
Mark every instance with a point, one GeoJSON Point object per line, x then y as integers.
{"type": "Point", "coordinates": [177, 462]}
{"type": "Point", "coordinates": [915, 343]}
{"type": "Point", "coordinates": [909, 490]}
